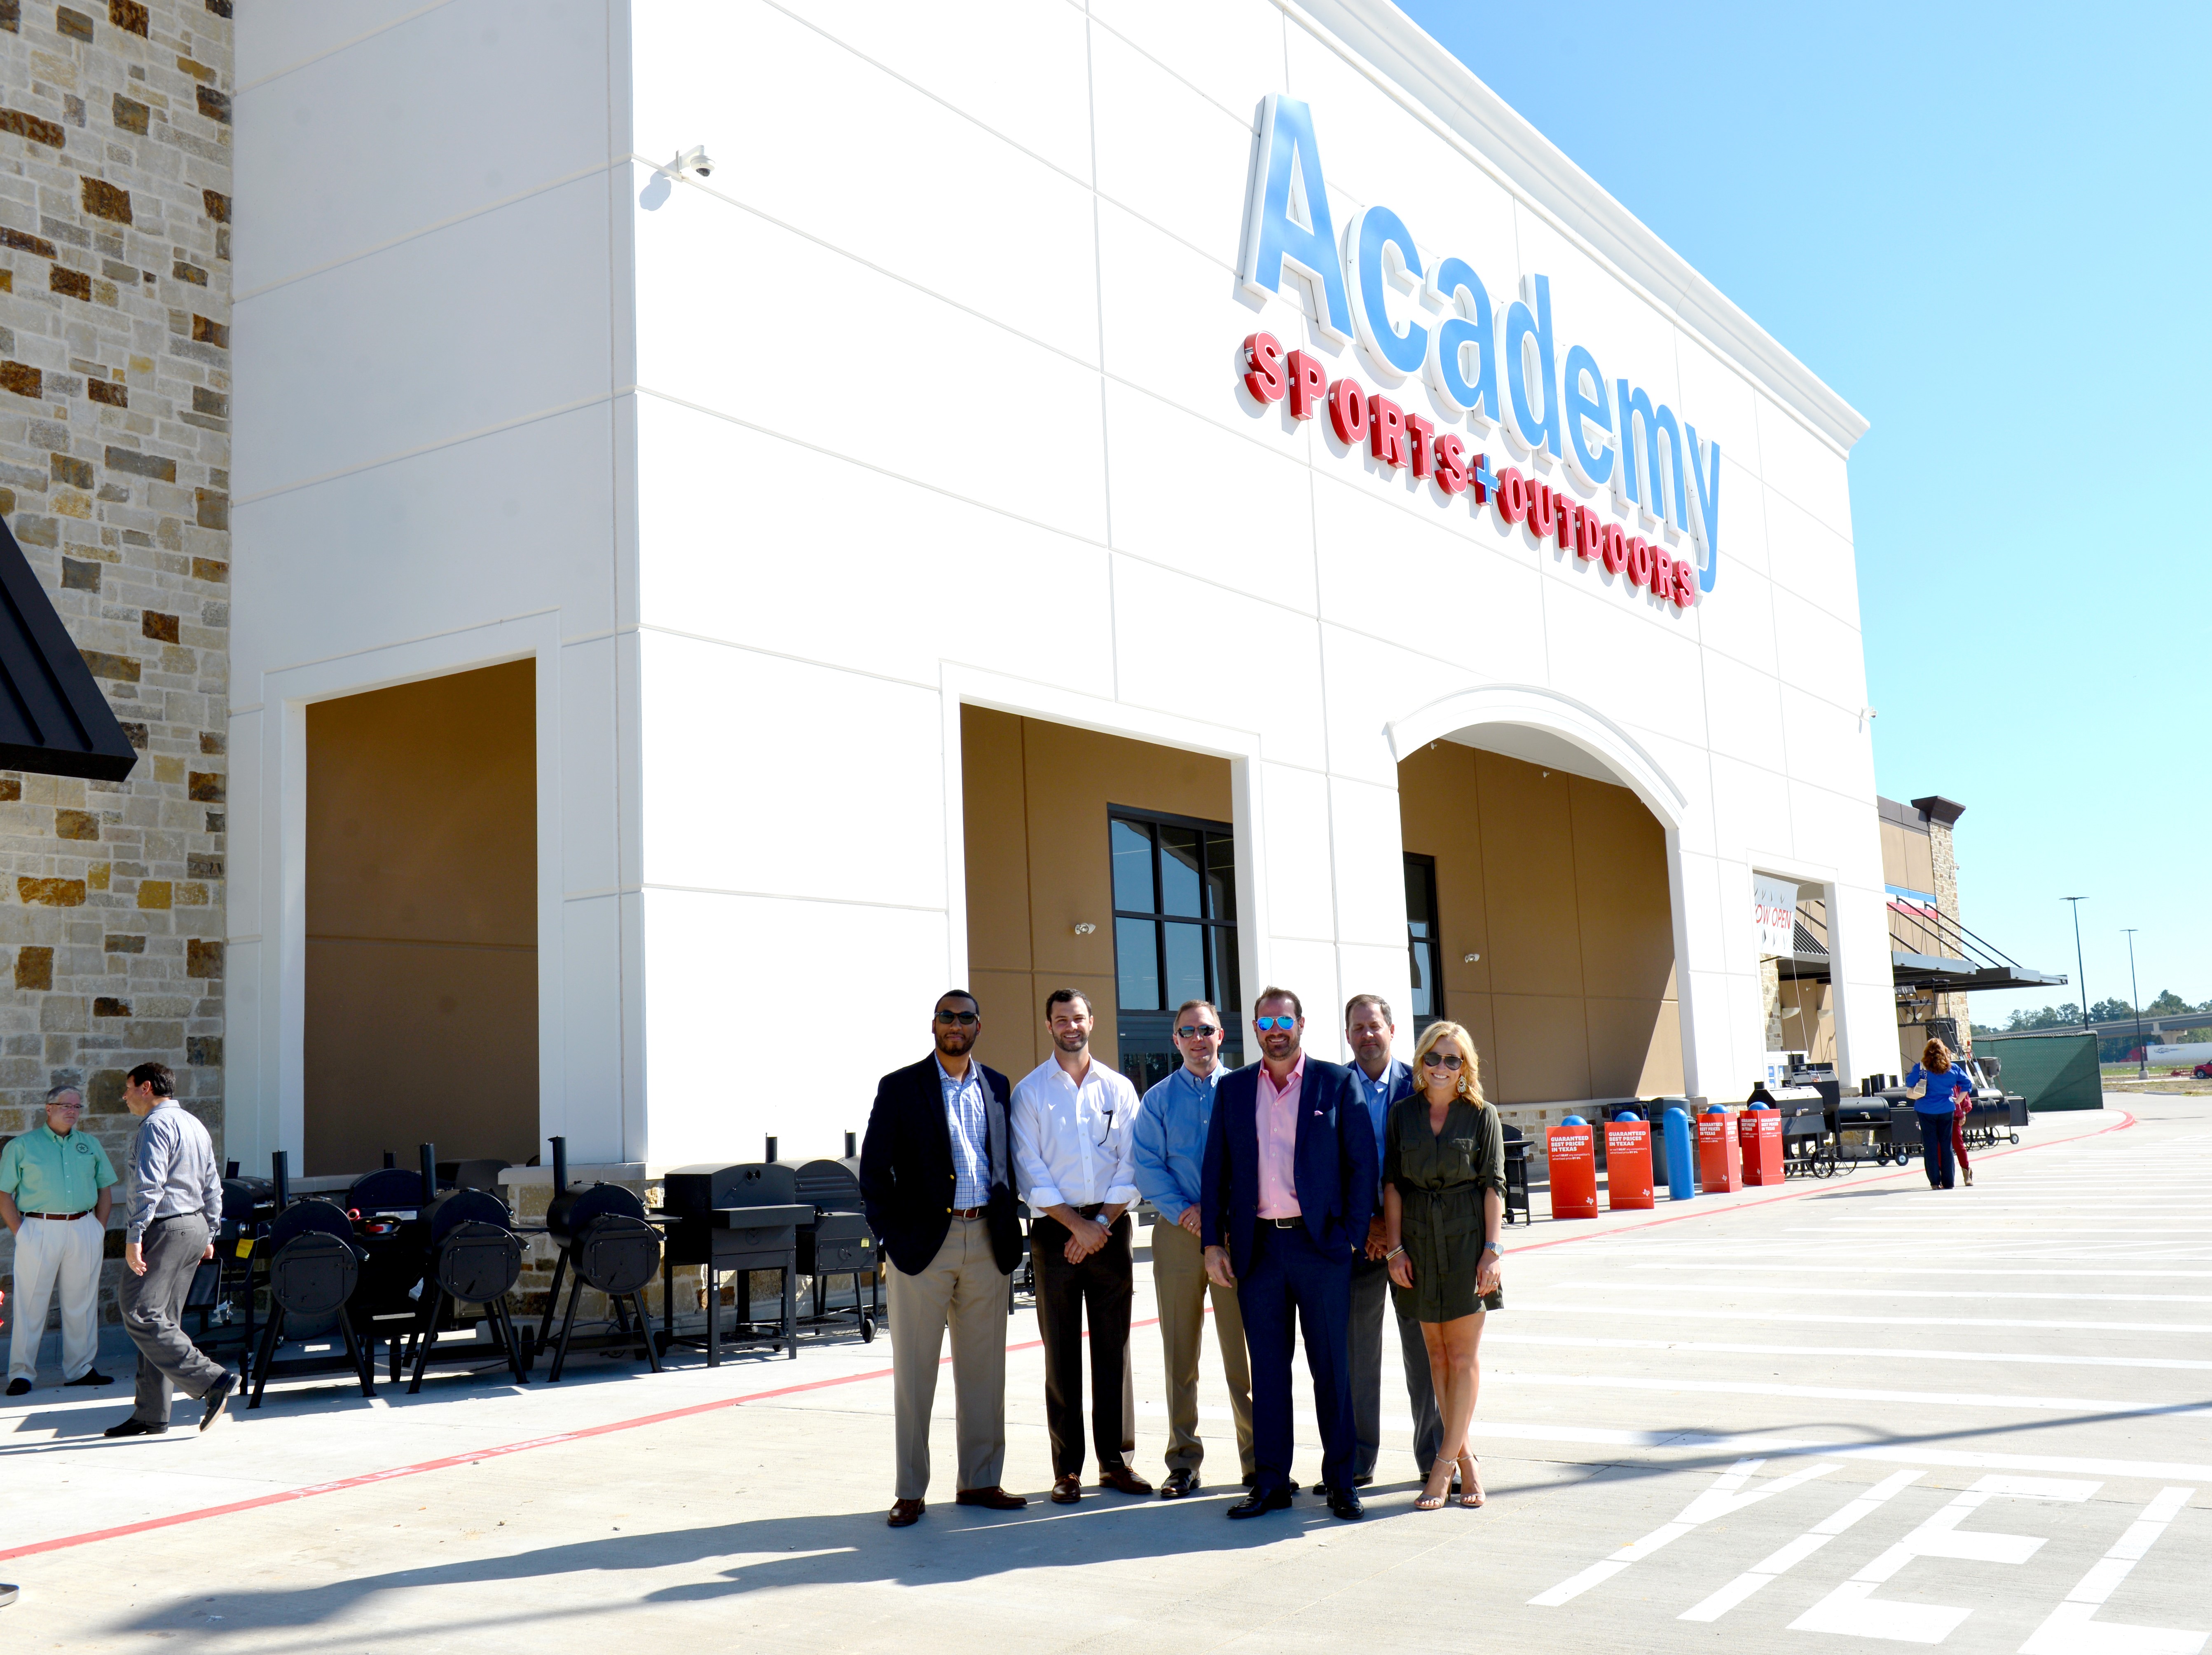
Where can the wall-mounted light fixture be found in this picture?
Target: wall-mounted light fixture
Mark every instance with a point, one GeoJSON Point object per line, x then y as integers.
{"type": "Point", "coordinates": [1085, 929]}
{"type": "Point", "coordinates": [1471, 959]}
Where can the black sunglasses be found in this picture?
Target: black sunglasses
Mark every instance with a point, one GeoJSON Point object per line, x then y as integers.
{"type": "Point", "coordinates": [965, 1019]}
{"type": "Point", "coordinates": [1190, 1032]}
{"type": "Point", "coordinates": [1434, 1061]}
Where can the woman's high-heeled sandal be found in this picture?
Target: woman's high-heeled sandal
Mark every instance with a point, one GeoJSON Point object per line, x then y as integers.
{"type": "Point", "coordinates": [1471, 1477]}
{"type": "Point", "coordinates": [1429, 1502]}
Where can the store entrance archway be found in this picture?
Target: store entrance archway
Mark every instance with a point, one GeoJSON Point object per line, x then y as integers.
{"type": "Point", "coordinates": [1541, 895]}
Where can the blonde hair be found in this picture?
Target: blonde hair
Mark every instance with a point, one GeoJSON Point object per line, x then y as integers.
{"type": "Point", "coordinates": [1936, 1056]}
{"type": "Point", "coordinates": [1470, 1072]}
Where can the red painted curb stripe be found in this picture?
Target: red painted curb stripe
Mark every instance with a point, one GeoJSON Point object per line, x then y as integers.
{"type": "Point", "coordinates": [447, 1462]}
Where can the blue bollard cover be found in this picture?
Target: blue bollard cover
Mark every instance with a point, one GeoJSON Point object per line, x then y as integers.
{"type": "Point", "coordinates": [1715, 1108]}
{"type": "Point", "coordinates": [1574, 1120]}
{"type": "Point", "coordinates": [1628, 1115]}
{"type": "Point", "coordinates": [1681, 1162]}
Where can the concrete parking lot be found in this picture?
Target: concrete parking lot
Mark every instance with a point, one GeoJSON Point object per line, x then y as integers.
{"type": "Point", "coordinates": [1862, 1409]}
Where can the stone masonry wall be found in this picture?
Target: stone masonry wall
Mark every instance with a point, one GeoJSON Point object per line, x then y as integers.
{"type": "Point", "coordinates": [115, 183]}
{"type": "Point", "coordinates": [1943, 855]}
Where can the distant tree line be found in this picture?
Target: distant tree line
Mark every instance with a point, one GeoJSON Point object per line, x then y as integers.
{"type": "Point", "coordinates": [2168, 1004]}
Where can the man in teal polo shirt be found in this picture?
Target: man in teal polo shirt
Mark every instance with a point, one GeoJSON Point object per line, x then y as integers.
{"type": "Point", "coordinates": [54, 1185]}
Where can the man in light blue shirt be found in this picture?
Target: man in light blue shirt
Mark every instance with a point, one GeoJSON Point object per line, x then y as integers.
{"type": "Point", "coordinates": [1382, 1081]}
{"type": "Point", "coordinates": [1169, 1147]}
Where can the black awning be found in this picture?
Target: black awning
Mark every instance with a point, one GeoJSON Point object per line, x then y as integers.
{"type": "Point", "coordinates": [53, 719]}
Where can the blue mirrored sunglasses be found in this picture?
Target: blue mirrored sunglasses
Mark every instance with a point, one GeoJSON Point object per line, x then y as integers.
{"type": "Point", "coordinates": [1264, 1024]}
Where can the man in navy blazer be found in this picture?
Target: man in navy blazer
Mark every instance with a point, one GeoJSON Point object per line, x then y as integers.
{"type": "Point", "coordinates": [1289, 1186]}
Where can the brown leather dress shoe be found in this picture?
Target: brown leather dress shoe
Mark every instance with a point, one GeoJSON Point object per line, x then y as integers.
{"type": "Point", "coordinates": [905, 1513]}
{"type": "Point", "coordinates": [992, 1498]}
{"type": "Point", "coordinates": [1120, 1477]}
{"type": "Point", "coordinates": [1066, 1490]}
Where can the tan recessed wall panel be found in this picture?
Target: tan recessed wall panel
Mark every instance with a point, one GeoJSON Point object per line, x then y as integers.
{"type": "Point", "coordinates": [1440, 815]}
{"type": "Point", "coordinates": [1035, 796]}
{"type": "Point", "coordinates": [421, 922]}
{"type": "Point", "coordinates": [1560, 884]}
{"type": "Point", "coordinates": [1528, 876]}
{"type": "Point", "coordinates": [1543, 1047]}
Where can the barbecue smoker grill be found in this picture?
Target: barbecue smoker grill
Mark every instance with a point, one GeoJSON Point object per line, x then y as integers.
{"type": "Point", "coordinates": [476, 1259]}
{"type": "Point", "coordinates": [313, 1266]}
{"type": "Point", "coordinates": [603, 1241]}
{"type": "Point", "coordinates": [742, 1218]}
{"type": "Point", "coordinates": [838, 1242]}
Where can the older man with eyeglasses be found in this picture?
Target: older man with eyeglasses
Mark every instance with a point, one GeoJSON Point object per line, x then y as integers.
{"type": "Point", "coordinates": [1168, 1144]}
{"type": "Point", "coordinates": [54, 1193]}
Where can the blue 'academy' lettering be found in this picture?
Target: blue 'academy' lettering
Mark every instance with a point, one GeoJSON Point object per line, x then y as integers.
{"type": "Point", "coordinates": [1481, 363]}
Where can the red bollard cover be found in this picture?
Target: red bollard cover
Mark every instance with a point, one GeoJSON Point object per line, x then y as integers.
{"type": "Point", "coordinates": [1628, 1166]}
{"type": "Point", "coordinates": [1759, 1131]}
{"type": "Point", "coordinates": [1574, 1171]}
{"type": "Point", "coordinates": [1720, 1155]}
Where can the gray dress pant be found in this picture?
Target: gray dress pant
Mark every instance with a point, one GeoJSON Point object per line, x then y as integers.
{"type": "Point", "coordinates": [1370, 1303]}
{"type": "Point", "coordinates": [153, 1307]}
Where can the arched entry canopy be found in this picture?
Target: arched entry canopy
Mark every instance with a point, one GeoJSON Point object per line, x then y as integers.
{"type": "Point", "coordinates": [1556, 908]}
{"type": "Point", "coordinates": [1532, 707]}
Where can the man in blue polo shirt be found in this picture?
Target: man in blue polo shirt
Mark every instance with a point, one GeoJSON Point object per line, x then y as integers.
{"type": "Point", "coordinates": [1168, 1144]}
{"type": "Point", "coordinates": [54, 1195]}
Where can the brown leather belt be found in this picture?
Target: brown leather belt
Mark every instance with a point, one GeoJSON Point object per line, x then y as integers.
{"type": "Point", "coordinates": [62, 1218]}
{"type": "Point", "coordinates": [969, 1212]}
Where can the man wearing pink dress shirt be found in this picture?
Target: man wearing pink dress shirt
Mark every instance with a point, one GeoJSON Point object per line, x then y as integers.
{"type": "Point", "coordinates": [1288, 1187]}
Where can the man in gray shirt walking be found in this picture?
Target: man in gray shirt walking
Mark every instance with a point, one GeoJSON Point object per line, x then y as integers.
{"type": "Point", "coordinates": [175, 1208]}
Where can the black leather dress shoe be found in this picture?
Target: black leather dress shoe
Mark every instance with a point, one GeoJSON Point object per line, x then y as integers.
{"type": "Point", "coordinates": [992, 1498]}
{"type": "Point", "coordinates": [134, 1426]}
{"type": "Point", "coordinates": [91, 1376]}
{"type": "Point", "coordinates": [19, 1386]}
{"type": "Point", "coordinates": [1253, 1482]}
{"type": "Point", "coordinates": [1180, 1481]}
{"type": "Point", "coordinates": [217, 1395]}
{"type": "Point", "coordinates": [1253, 1504]}
{"type": "Point", "coordinates": [1343, 1503]}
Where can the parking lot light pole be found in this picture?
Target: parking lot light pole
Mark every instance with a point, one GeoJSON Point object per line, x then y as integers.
{"type": "Point", "coordinates": [2135, 993]}
{"type": "Point", "coordinates": [2080, 972]}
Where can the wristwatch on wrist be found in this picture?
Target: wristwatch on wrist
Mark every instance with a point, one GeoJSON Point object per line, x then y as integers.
{"type": "Point", "coordinates": [1492, 1247]}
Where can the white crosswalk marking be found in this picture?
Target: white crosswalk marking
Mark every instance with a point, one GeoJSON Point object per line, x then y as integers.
{"type": "Point", "coordinates": [1797, 1550]}
{"type": "Point", "coordinates": [1724, 1499]}
{"type": "Point", "coordinates": [2072, 1628]}
{"type": "Point", "coordinates": [1853, 1609]}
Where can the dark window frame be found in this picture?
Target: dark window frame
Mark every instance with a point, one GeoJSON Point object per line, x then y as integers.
{"type": "Point", "coordinates": [1431, 945]}
{"type": "Point", "coordinates": [1217, 957]}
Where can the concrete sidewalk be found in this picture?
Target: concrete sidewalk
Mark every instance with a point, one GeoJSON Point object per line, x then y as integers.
{"type": "Point", "coordinates": [1741, 1380]}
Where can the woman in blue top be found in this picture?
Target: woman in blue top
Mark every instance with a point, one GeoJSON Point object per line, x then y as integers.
{"type": "Point", "coordinates": [1935, 1086]}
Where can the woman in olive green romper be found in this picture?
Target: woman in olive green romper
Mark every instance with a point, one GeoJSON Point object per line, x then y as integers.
{"type": "Point", "coordinates": [1444, 1199]}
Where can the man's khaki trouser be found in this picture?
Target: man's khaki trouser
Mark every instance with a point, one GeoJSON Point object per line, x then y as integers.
{"type": "Point", "coordinates": [1179, 1284]}
{"type": "Point", "coordinates": [963, 1286]}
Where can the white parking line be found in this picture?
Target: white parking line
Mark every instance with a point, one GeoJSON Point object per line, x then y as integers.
{"type": "Point", "coordinates": [2071, 1629]}
{"type": "Point", "coordinates": [1524, 1307]}
{"type": "Point", "coordinates": [1724, 1499]}
{"type": "Point", "coordinates": [2105, 1407]}
{"type": "Point", "coordinates": [1881, 1352]}
{"type": "Point", "coordinates": [1798, 1550]}
{"type": "Point", "coordinates": [1853, 1609]}
{"type": "Point", "coordinates": [1703, 1259]}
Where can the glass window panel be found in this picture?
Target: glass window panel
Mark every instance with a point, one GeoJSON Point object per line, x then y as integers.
{"type": "Point", "coordinates": [1221, 942]}
{"type": "Point", "coordinates": [1179, 867]}
{"type": "Point", "coordinates": [1186, 954]}
{"type": "Point", "coordinates": [1132, 868]}
{"type": "Point", "coordinates": [1137, 963]}
{"type": "Point", "coordinates": [1418, 904]}
{"type": "Point", "coordinates": [1220, 876]}
{"type": "Point", "coordinates": [1424, 994]}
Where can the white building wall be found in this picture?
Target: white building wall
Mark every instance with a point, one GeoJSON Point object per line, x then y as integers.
{"type": "Point", "coordinates": [934, 397]}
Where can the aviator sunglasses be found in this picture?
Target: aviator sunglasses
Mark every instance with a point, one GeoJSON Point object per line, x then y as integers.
{"type": "Point", "coordinates": [1435, 1061]}
{"type": "Point", "coordinates": [1197, 1031]}
{"type": "Point", "coordinates": [1264, 1024]}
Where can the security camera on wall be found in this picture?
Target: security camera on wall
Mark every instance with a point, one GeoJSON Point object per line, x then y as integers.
{"type": "Point", "coordinates": [693, 162]}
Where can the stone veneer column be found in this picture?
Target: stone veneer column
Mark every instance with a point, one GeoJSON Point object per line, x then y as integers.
{"type": "Point", "coordinates": [115, 181]}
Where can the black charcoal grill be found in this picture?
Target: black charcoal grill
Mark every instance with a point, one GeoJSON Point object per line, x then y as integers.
{"type": "Point", "coordinates": [602, 1240]}
{"type": "Point", "coordinates": [838, 1242]}
{"type": "Point", "coordinates": [313, 1261]}
{"type": "Point", "coordinates": [741, 1218]}
{"type": "Point", "coordinates": [475, 1258]}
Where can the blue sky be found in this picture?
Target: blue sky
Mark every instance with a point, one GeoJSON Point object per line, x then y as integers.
{"type": "Point", "coordinates": [1988, 229]}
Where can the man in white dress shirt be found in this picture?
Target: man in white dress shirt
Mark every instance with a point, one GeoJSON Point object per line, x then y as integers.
{"type": "Point", "coordinates": [1073, 1118]}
